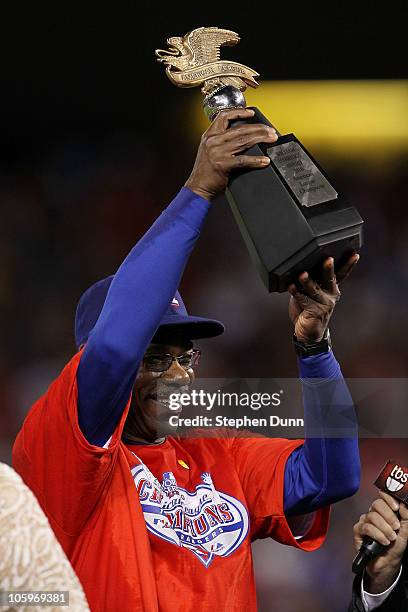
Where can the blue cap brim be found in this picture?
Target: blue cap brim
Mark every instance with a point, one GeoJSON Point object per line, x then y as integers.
{"type": "Point", "coordinates": [191, 327]}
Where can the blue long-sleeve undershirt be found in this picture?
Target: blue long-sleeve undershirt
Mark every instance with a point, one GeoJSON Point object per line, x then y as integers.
{"type": "Point", "coordinates": [326, 468]}
{"type": "Point", "coordinates": [320, 471]}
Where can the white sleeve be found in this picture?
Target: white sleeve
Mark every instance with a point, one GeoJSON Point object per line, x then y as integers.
{"type": "Point", "coordinates": [372, 601]}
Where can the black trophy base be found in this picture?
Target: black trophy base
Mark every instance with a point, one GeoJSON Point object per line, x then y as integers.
{"type": "Point", "coordinates": [290, 215]}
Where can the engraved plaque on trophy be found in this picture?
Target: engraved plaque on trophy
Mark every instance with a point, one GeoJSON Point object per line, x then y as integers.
{"type": "Point", "coordinates": [290, 214]}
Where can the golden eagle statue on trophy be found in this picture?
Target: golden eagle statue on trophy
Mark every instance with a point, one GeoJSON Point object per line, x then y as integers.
{"type": "Point", "coordinates": [194, 59]}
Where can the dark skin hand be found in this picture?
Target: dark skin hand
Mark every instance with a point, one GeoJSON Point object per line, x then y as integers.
{"type": "Point", "coordinates": [311, 307]}
{"type": "Point", "coordinates": [382, 524]}
{"type": "Point", "coordinates": [220, 152]}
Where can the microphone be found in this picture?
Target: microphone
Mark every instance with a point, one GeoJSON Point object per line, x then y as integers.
{"type": "Point", "coordinates": [393, 480]}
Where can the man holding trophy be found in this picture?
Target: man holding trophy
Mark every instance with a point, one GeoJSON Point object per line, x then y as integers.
{"type": "Point", "coordinates": [151, 520]}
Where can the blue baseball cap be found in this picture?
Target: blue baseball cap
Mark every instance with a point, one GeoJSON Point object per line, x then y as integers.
{"type": "Point", "coordinates": [176, 318]}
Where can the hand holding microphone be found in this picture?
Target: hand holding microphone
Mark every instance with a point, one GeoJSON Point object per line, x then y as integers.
{"type": "Point", "coordinates": [381, 535]}
{"type": "Point", "coordinates": [382, 525]}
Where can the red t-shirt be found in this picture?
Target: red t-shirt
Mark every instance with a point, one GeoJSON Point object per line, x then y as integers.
{"type": "Point", "coordinates": [156, 527]}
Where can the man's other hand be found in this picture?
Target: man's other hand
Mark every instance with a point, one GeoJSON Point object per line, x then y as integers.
{"type": "Point", "coordinates": [311, 307]}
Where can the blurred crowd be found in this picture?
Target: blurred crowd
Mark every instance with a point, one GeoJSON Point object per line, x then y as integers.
{"type": "Point", "coordinates": [70, 214]}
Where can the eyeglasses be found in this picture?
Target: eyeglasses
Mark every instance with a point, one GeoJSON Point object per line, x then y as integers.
{"type": "Point", "coordinates": [161, 362]}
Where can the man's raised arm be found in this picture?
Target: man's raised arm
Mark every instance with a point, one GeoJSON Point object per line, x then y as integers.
{"type": "Point", "coordinates": [326, 468]}
{"type": "Point", "coordinates": [147, 280]}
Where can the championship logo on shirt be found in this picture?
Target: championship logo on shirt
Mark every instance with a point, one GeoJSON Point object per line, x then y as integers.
{"type": "Point", "coordinates": [206, 521]}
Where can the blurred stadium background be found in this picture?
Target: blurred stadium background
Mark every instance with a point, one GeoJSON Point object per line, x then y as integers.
{"type": "Point", "coordinates": [95, 141]}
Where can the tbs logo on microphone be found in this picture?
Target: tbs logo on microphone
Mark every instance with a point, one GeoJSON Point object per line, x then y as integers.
{"type": "Point", "coordinates": [393, 479]}
{"type": "Point", "coordinates": [397, 479]}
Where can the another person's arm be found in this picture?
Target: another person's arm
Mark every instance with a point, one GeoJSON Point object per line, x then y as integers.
{"type": "Point", "coordinates": [32, 557]}
{"type": "Point", "coordinates": [382, 585]}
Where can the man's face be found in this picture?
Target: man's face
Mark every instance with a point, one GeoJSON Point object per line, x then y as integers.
{"type": "Point", "coordinates": [149, 415]}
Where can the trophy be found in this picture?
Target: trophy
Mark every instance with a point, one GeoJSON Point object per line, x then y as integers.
{"type": "Point", "coordinates": [290, 214]}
